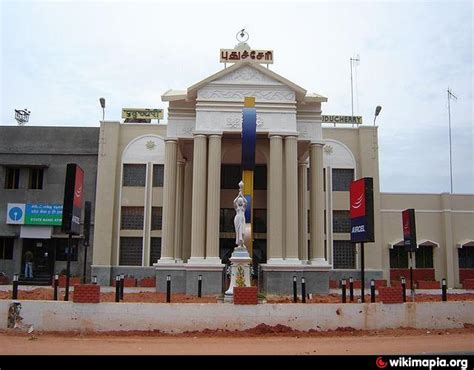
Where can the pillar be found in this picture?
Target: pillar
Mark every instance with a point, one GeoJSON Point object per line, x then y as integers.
{"type": "Point", "coordinates": [275, 201]}
{"type": "Point", "coordinates": [303, 210]}
{"type": "Point", "coordinates": [291, 199]}
{"type": "Point", "coordinates": [198, 216]}
{"type": "Point", "coordinates": [317, 205]}
{"type": "Point", "coordinates": [169, 201]}
{"type": "Point", "coordinates": [178, 236]}
{"type": "Point", "coordinates": [213, 199]}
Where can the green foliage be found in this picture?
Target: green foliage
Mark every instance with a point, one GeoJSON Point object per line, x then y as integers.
{"type": "Point", "coordinates": [240, 277]}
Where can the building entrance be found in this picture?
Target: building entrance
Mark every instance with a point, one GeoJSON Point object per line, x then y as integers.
{"type": "Point", "coordinates": [40, 254]}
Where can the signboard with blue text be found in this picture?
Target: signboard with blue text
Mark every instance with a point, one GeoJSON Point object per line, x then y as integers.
{"type": "Point", "coordinates": [34, 214]}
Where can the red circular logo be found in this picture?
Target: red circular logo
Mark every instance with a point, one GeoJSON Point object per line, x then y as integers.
{"type": "Point", "coordinates": [381, 364]}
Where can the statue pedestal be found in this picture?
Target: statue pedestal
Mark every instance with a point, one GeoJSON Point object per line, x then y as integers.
{"type": "Point", "coordinates": [240, 257]}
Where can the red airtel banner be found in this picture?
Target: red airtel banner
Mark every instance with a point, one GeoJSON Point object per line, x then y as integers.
{"type": "Point", "coordinates": [409, 229]}
{"type": "Point", "coordinates": [73, 194]}
{"type": "Point", "coordinates": [362, 210]}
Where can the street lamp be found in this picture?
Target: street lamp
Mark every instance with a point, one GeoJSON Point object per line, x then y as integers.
{"type": "Point", "coordinates": [377, 112]}
{"type": "Point", "coordinates": [102, 104]}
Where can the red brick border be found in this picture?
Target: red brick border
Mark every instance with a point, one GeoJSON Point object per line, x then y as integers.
{"type": "Point", "coordinates": [86, 293]}
{"type": "Point", "coordinates": [391, 295]}
{"type": "Point", "coordinates": [245, 295]}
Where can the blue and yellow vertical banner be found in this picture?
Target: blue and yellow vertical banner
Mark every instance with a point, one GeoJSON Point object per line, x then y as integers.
{"type": "Point", "coordinates": [249, 142]}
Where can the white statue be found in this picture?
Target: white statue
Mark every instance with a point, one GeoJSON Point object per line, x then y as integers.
{"type": "Point", "coordinates": [240, 204]}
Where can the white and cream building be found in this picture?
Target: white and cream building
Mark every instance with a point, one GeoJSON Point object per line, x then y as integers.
{"type": "Point", "coordinates": [164, 193]}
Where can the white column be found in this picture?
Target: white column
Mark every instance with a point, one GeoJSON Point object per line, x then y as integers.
{"type": "Point", "coordinates": [178, 236]}
{"type": "Point", "coordinates": [198, 217]}
{"type": "Point", "coordinates": [303, 210]}
{"type": "Point", "coordinates": [275, 201]}
{"type": "Point", "coordinates": [317, 205]}
{"type": "Point", "coordinates": [169, 202]}
{"type": "Point", "coordinates": [291, 199]}
{"type": "Point", "coordinates": [213, 199]}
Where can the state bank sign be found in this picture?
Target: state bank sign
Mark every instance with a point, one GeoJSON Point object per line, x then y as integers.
{"type": "Point", "coordinates": [362, 210]}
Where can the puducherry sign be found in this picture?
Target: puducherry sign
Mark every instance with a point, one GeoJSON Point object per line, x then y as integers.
{"type": "Point", "coordinates": [234, 56]}
{"type": "Point", "coordinates": [342, 119]}
{"type": "Point", "coordinates": [140, 113]}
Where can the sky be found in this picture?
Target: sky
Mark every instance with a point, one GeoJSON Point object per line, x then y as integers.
{"type": "Point", "coordinates": [59, 57]}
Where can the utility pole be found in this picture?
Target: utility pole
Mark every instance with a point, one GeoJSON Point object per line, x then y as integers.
{"type": "Point", "coordinates": [450, 96]}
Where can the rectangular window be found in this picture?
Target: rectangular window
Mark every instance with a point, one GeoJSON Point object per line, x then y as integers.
{"type": "Point", "coordinates": [158, 175]}
{"type": "Point", "coordinates": [466, 257]}
{"type": "Point", "coordinates": [424, 256]}
{"type": "Point", "coordinates": [344, 254]}
{"type": "Point", "coordinates": [231, 175]}
{"type": "Point", "coordinates": [226, 222]}
{"type": "Point", "coordinates": [132, 218]}
{"type": "Point", "coordinates": [6, 248]}
{"type": "Point", "coordinates": [36, 178]}
{"type": "Point", "coordinates": [155, 250]}
{"type": "Point", "coordinates": [341, 222]}
{"type": "Point", "coordinates": [156, 218]}
{"type": "Point", "coordinates": [12, 177]}
{"type": "Point", "coordinates": [342, 178]}
{"type": "Point", "coordinates": [134, 174]}
{"type": "Point", "coordinates": [260, 220]}
{"type": "Point", "coordinates": [398, 257]}
{"type": "Point", "coordinates": [62, 249]}
{"type": "Point", "coordinates": [260, 177]}
{"type": "Point", "coordinates": [130, 251]}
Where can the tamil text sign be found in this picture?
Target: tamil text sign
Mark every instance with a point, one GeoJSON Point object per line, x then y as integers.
{"type": "Point", "coordinates": [259, 56]}
{"type": "Point", "coordinates": [34, 214]}
{"type": "Point", "coordinates": [139, 113]}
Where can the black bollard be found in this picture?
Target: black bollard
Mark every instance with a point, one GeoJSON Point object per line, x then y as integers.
{"type": "Point", "coordinates": [295, 296]}
{"type": "Point", "coordinates": [444, 287]}
{"type": "Point", "coordinates": [56, 283]}
{"type": "Point", "coordinates": [122, 284]}
{"type": "Point", "coordinates": [168, 289]}
{"type": "Point", "coordinates": [199, 286]}
{"type": "Point", "coordinates": [404, 289]}
{"type": "Point", "coordinates": [15, 287]}
{"type": "Point", "coordinates": [343, 285]}
{"type": "Point", "coordinates": [351, 289]}
{"type": "Point", "coordinates": [303, 290]}
{"type": "Point", "coordinates": [372, 291]}
{"type": "Point", "coordinates": [94, 279]}
{"type": "Point", "coordinates": [117, 288]}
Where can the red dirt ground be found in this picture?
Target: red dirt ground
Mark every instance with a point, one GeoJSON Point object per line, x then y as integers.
{"type": "Point", "coordinates": [153, 297]}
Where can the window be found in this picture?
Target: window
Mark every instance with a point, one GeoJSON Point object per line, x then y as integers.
{"type": "Point", "coordinates": [341, 179]}
{"type": "Point", "coordinates": [156, 218]}
{"type": "Point", "coordinates": [424, 256]}
{"type": "Point", "coordinates": [36, 178]}
{"type": "Point", "coordinates": [130, 251]}
{"type": "Point", "coordinates": [155, 250]}
{"type": "Point", "coordinates": [158, 175]}
{"type": "Point", "coordinates": [132, 218]}
{"type": "Point", "coordinates": [12, 177]}
{"type": "Point", "coordinates": [6, 248]}
{"type": "Point", "coordinates": [230, 176]}
{"type": "Point", "coordinates": [226, 222]}
{"type": "Point", "coordinates": [466, 257]}
{"type": "Point", "coordinates": [260, 177]}
{"type": "Point", "coordinates": [62, 249]}
{"type": "Point", "coordinates": [260, 220]}
{"type": "Point", "coordinates": [344, 255]}
{"type": "Point", "coordinates": [341, 222]}
{"type": "Point", "coordinates": [398, 257]}
{"type": "Point", "coordinates": [134, 174]}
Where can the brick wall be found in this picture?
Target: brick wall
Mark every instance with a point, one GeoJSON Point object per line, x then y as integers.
{"type": "Point", "coordinates": [468, 284]}
{"type": "Point", "coordinates": [148, 282]}
{"type": "Point", "coordinates": [86, 293]}
{"type": "Point", "coordinates": [245, 295]}
{"type": "Point", "coordinates": [418, 274]}
{"type": "Point", "coordinates": [466, 274]}
{"type": "Point", "coordinates": [421, 284]}
{"type": "Point", "coordinates": [129, 282]}
{"type": "Point", "coordinates": [390, 295]}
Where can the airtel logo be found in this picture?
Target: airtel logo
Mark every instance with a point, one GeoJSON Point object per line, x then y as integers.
{"type": "Point", "coordinates": [78, 192]}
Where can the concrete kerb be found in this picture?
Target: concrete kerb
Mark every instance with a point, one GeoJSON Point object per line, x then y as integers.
{"type": "Point", "coordinates": [177, 318]}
